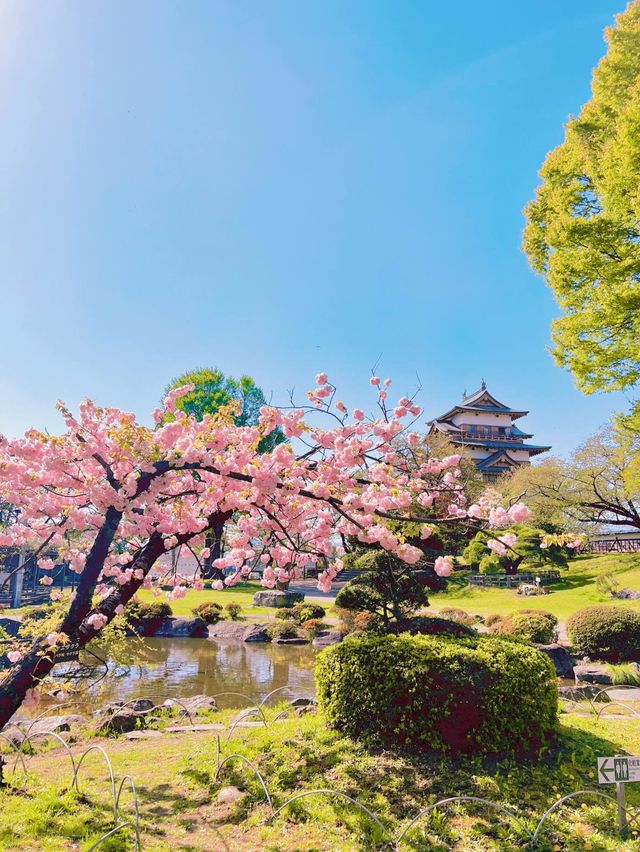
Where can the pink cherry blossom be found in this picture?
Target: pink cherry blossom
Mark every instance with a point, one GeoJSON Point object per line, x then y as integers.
{"type": "Point", "coordinates": [14, 656]}
{"type": "Point", "coordinates": [374, 380]}
{"type": "Point", "coordinates": [322, 379]}
{"type": "Point", "coordinates": [443, 566]}
{"type": "Point", "coordinates": [519, 513]}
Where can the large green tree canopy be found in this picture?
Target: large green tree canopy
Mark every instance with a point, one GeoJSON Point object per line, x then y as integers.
{"type": "Point", "coordinates": [583, 227]}
{"type": "Point", "coordinates": [213, 391]}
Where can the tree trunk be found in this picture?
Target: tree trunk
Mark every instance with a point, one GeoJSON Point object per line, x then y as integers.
{"type": "Point", "coordinates": [213, 541]}
{"type": "Point", "coordinates": [39, 660]}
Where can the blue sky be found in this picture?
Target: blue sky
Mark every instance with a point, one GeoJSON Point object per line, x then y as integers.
{"type": "Point", "coordinates": [279, 188]}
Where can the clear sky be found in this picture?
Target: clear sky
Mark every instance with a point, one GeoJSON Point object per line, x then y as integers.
{"type": "Point", "coordinates": [283, 187]}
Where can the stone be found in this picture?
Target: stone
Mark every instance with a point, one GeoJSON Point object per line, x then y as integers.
{"type": "Point", "coordinates": [232, 631]}
{"type": "Point", "coordinates": [141, 705]}
{"type": "Point", "coordinates": [302, 702]}
{"type": "Point", "coordinates": [181, 628]}
{"type": "Point", "coordinates": [256, 633]}
{"type": "Point", "coordinates": [10, 626]}
{"type": "Point", "coordinates": [13, 733]}
{"type": "Point", "coordinates": [593, 673]}
{"type": "Point", "coordinates": [143, 735]}
{"type": "Point", "coordinates": [583, 692]}
{"type": "Point", "coordinates": [560, 657]}
{"type": "Point", "coordinates": [627, 594]}
{"type": "Point", "coordinates": [302, 711]}
{"type": "Point", "coordinates": [123, 722]}
{"type": "Point", "coordinates": [56, 724]}
{"type": "Point", "coordinates": [179, 729]}
{"type": "Point", "coordinates": [277, 598]}
{"type": "Point", "coordinates": [193, 704]}
{"type": "Point", "coordinates": [295, 640]}
{"type": "Point", "coordinates": [228, 795]}
{"type": "Point", "coordinates": [326, 638]}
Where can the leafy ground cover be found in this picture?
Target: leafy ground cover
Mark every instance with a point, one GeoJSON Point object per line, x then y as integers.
{"type": "Point", "coordinates": [181, 809]}
{"type": "Point", "coordinates": [576, 590]}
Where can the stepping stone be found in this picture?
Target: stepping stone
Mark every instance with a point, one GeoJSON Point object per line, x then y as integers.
{"type": "Point", "coordinates": [178, 729]}
{"type": "Point", "coordinates": [143, 735]}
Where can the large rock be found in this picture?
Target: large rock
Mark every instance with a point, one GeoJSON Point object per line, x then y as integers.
{"type": "Point", "coordinates": [277, 598]}
{"type": "Point", "coordinates": [10, 626]}
{"type": "Point", "coordinates": [193, 704]}
{"type": "Point", "coordinates": [560, 657]}
{"type": "Point", "coordinates": [627, 595]}
{"type": "Point", "coordinates": [56, 724]}
{"type": "Point", "coordinates": [326, 638]}
{"type": "Point", "coordinates": [256, 633]}
{"type": "Point", "coordinates": [294, 640]}
{"type": "Point", "coordinates": [12, 733]}
{"type": "Point", "coordinates": [122, 722]}
{"type": "Point", "coordinates": [593, 673]}
{"type": "Point", "coordinates": [583, 692]}
{"type": "Point", "coordinates": [232, 631]}
{"type": "Point", "coordinates": [180, 628]}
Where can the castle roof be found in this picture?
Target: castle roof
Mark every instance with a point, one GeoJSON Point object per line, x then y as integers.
{"type": "Point", "coordinates": [481, 400]}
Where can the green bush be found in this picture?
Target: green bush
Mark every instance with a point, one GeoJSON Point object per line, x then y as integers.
{"type": "Point", "coordinates": [607, 584]}
{"type": "Point", "coordinates": [482, 695]}
{"type": "Point", "coordinates": [610, 633]}
{"type": "Point", "coordinates": [233, 610]}
{"type": "Point", "coordinates": [459, 615]}
{"type": "Point", "coordinates": [141, 612]}
{"type": "Point", "coordinates": [533, 625]}
{"type": "Point", "coordinates": [306, 611]}
{"type": "Point", "coordinates": [209, 612]}
{"type": "Point", "coordinates": [429, 625]}
{"type": "Point", "coordinates": [285, 613]}
{"type": "Point", "coordinates": [312, 627]}
{"type": "Point", "coordinates": [282, 630]}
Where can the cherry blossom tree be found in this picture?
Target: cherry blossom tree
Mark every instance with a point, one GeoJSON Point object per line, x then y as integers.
{"type": "Point", "coordinates": [111, 496]}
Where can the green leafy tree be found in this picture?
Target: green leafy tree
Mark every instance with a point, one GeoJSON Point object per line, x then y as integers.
{"type": "Point", "coordinates": [213, 392]}
{"type": "Point", "coordinates": [386, 586]}
{"type": "Point", "coordinates": [527, 551]}
{"type": "Point", "coordinates": [583, 231]}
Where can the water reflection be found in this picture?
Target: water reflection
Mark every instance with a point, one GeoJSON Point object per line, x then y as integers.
{"type": "Point", "coordinates": [184, 667]}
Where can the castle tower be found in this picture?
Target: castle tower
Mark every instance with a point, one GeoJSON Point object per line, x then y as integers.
{"type": "Point", "coordinates": [487, 429]}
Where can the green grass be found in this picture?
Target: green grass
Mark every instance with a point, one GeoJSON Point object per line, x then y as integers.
{"type": "Point", "coordinates": [177, 792]}
{"type": "Point", "coordinates": [576, 590]}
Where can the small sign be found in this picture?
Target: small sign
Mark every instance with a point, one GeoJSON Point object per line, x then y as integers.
{"type": "Point", "coordinates": [618, 770]}
{"type": "Point", "coordinates": [67, 653]}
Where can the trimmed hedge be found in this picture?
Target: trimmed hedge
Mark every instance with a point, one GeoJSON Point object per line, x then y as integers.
{"type": "Point", "coordinates": [482, 695]}
{"type": "Point", "coordinates": [141, 612]}
{"type": "Point", "coordinates": [610, 633]}
{"type": "Point", "coordinates": [428, 625]}
{"type": "Point", "coordinates": [534, 625]}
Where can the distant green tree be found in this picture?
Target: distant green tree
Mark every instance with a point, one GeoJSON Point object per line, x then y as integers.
{"type": "Point", "coordinates": [527, 551]}
{"type": "Point", "coordinates": [583, 227]}
{"type": "Point", "coordinates": [212, 392]}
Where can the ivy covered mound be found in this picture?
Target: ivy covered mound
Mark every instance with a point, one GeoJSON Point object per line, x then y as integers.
{"type": "Point", "coordinates": [484, 695]}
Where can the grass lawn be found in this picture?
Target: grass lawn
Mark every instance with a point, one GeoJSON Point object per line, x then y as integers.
{"type": "Point", "coordinates": [577, 589]}
{"type": "Point", "coordinates": [242, 594]}
{"type": "Point", "coordinates": [180, 808]}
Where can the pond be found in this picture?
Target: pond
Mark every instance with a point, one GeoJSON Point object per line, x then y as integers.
{"type": "Point", "coordinates": [179, 668]}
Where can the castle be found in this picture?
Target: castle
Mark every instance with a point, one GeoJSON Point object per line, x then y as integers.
{"type": "Point", "coordinates": [486, 428]}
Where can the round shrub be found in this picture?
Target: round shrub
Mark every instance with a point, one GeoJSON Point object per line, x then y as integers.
{"type": "Point", "coordinates": [233, 610]}
{"type": "Point", "coordinates": [141, 612]}
{"type": "Point", "coordinates": [282, 630]}
{"type": "Point", "coordinates": [530, 624]}
{"type": "Point", "coordinates": [312, 627]}
{"type": "Point", "coordinates": [481, 695]}
{"type": "Point", "coordinates": [305, 611]}
{"type": "Point", "coordinates": [492, 618]}
{"type": "Point", "coordinates": [427, 625]}
{"type": "Point", "coordinates": [209, 612]}
{"type": "Point", "coordinates": [610, 633]}
{"type": "Point", "coordinates": [285, 613]}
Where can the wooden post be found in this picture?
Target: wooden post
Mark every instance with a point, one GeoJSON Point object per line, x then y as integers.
{"type": "Point", "coordinates": [622, 808]}
{"type": "Point", "coordinates": [17, 581]}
